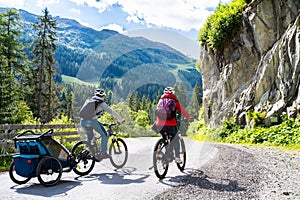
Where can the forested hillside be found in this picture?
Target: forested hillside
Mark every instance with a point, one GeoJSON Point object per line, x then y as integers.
{"type": "Point", "coordinates": [132, 70]}
{"type": "Point", "coordinates": [92, 55]}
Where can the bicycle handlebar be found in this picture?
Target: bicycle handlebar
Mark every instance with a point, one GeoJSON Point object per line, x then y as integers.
{"type": "Point", "coordinates": [110, 125]}
{"type": "Point", "coordinates": [184, 120]}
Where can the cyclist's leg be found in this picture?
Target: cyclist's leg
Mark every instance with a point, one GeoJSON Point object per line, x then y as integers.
{"type": "Point", "coordinates": [87, 127]}
{"type": "Point", "coordinates": [104, 136]}
{"type": "Point", "coordinates": [175, 139]}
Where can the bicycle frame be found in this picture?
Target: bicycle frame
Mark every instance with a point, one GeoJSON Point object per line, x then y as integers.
{"type": "Point", "coordinates": [96, 141]}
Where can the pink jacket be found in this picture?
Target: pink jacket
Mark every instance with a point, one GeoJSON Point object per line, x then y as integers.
{"type": "Point", "coordinates": [179, 108]}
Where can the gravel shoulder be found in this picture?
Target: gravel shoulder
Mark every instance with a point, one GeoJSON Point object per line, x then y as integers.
{"type": "Point", "coordinates": [243, 172]}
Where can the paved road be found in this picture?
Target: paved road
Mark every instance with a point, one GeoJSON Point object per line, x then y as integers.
{"type": "Point", "coordinates": [134, 181]}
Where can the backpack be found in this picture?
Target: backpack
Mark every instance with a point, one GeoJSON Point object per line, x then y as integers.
{"type": "Point", "coordinates": [88, 110]}
{"type": "Point", "coordinates": [166, 108]}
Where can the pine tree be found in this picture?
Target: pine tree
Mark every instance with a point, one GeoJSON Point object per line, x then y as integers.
{"type": "Point", "coordinates": [199, 93]}
{"type": "Point", "coordinates": [137, 102]}
{"type": "Point", "coordinates": [69, 111]}
{"type": "Point", "coordinates": [13, 49]}
{"type": "Point", "coordinates": [108, 97]}
{"type": "Point", "coordinates": [148, 104]}
{"type": "Point", "coordinates": [143, 105]}
{"type": "Point", "coordinates": [181, 93]}
{"type": "Point", "coordinates": [130, 100]}
{"type": "Point", "coordinates": [194, 106]}
{"type": "Point", "coordinates": [13, 66]}
{"type": "Point", "coordinates": [44, 98]}
{"type": "Point", "coordinates": [5, 90]}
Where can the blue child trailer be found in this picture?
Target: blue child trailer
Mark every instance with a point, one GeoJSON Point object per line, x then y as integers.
{"type": "Point", "coordinates": [41, 156]}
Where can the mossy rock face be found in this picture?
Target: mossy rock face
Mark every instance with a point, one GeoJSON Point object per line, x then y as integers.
{"type": "Point", "coordinates": [251, 72]}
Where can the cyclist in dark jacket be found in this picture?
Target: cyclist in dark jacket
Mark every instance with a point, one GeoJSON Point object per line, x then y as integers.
{"type": "Point", "coordinates": [88, 125]}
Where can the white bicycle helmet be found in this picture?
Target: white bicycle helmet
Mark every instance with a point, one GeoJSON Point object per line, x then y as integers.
{"type": "Point", "coordinates": [99, 93]}
{"type": "Point", "coordinates": [169, 90]}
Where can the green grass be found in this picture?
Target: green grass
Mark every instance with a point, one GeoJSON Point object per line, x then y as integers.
{"type": "Point", "coordinates": [70, 79]}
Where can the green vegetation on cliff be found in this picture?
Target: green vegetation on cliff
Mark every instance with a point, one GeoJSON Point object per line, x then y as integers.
{"type": "Point", "coordinates": [220, 26]}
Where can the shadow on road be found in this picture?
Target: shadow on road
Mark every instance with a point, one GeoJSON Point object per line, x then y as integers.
{"type": "Point", "coordinates": [200, 179]}
{"type": "Point", "coordinates": [60, 189]}
{"type": "Point", "coordinates": [177, 180]}
{"type": "Point", "coordinates": [125, 175]}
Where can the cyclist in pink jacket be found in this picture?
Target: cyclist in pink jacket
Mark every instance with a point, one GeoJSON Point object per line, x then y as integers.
{"type": "Point", "coordinates": [170, 124]}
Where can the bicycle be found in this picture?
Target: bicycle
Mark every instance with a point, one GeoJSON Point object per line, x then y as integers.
{"type": "Point", "coordinates": [163, 154]}
{"type": "Point", "coordinates": [6, 147]}
{"type": "Point", "coordinates": [85, 152]}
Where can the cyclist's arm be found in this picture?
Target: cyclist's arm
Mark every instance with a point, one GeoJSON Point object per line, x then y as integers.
{"type": "Point", "coordinates": [113, 113]}
{"type": "Point", "coordinates": [182, 110]}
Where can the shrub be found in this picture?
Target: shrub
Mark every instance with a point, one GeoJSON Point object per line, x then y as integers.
{"type": "Point", "coordinates": [220, 26]}
{"type": "Point", "coordinates": [229, 127]}
{"type": "Point", "coordinates": [5, 163]}
{"type": "Point", "coordinates": [256, 118]}
{"type": "Point", "coordinates": [286, 134]}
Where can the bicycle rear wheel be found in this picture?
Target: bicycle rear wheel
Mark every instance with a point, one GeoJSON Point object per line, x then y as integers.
{"type": "Point", "coordinates": [160, 163]}
{"type": "Point", "coordinates": [83, 158]}
{"type": "Point", "coordinates": [182, 155]}
{"type": "Point", "coordinates": [118, 152]}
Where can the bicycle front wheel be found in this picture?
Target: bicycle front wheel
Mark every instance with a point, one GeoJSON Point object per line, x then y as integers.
{"type": "Point", "coordinates": [160, 162]}
{"type": "Point", "coordinates": [118, 152]}
{"type": "Point", "coordinates": [182, 155]}
{"type": "Point", "coordinates": [83, 158]}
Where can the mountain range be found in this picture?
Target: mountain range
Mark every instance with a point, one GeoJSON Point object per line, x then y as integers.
{"type": "Point", "coordinates": [111, 58]}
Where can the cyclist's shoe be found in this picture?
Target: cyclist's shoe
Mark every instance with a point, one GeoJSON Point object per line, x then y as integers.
{"type": "Point", "coordinates": [102, 156]}
{"type": "Point", "coordinates": [178, 160]}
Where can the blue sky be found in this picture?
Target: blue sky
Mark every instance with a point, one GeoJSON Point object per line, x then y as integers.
{"type": "Point", "coordinates": [184, 17]}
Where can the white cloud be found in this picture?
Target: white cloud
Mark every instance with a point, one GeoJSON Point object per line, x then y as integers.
{"type": "Point", "coordinates": [44, 3]}
{"type": "Point", "coordinates": [76, 11]}
{"type": "Point", "coordinates": [184, 15]}
{"type": "Point", "coordinates": [78, 2]}
{"type": "Point", "coordinates": [115, 27]}
{"type": "Point", "coordinates": [176, 14]}
{"type": "Point", "coordinates": [12, 4]}
{"type": "Point", "coordinates": [101, 5]}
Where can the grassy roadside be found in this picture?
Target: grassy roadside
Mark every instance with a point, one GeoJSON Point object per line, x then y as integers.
{"type": "Point", "coordinates": [285, 135]}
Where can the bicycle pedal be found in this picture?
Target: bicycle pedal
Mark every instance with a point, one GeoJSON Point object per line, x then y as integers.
{"type": "Point", "coordinates": [150, 168]}
{"type": "Point", "coordinates": [96, 159]}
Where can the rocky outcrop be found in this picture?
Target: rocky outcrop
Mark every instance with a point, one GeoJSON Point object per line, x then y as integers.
{"type": "Point", "coordinates": [260, 68]}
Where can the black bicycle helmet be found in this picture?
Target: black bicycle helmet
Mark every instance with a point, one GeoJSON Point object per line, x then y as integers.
{"type": "Point", "coordinates": [99, 93]}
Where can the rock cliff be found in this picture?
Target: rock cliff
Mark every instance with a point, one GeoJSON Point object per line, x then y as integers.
{"type": "Point", "coordinates": [260, 68]}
